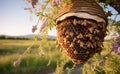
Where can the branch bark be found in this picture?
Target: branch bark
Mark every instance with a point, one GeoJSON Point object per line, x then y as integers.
{"type": "Point", "coordinates": [114, 3]}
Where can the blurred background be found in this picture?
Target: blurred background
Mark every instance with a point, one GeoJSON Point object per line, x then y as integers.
{"type": "Point", "coordinates": [21, 51]}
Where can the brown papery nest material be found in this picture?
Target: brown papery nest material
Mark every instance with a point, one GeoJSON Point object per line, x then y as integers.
{"type": "Point", "coordinates": [80, 38]}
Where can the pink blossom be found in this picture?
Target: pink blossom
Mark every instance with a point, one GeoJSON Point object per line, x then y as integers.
{"type": "Point", "coordinates": [116, 48]}
{"type": "Point", "coordinates": [44, 23]}
{"type": "Point", "coordinates": [34, 28]}
{"type": "Point", "coordinates": [33, 2]}
{"type": "Point", "coordinates": [118, 51]}
{"type": "Point", "coordinates": [115, 38]}
{"type": "Point", "coordinates": [15, 63]}
{"type": "Point", "coordinates": [56, 2]}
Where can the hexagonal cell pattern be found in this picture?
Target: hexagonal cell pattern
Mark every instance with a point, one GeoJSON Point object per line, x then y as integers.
{"type": "Point", "coordinates": [80, 38]}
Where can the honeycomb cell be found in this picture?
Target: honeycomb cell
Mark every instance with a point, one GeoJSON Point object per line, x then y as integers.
{"type": "Point", "coordinates": [80, 38]}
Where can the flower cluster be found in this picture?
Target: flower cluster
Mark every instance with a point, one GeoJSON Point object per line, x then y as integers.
{"type": "Point", "coordinates": [33, 2]}
{"type": "Point", "coordinates": [34, 28]}
{"type": "Point", "coordinates": [44, 19]}
{"type": "Point", "coordinates": [56, 2]}
{"type": "Point", "coordinates": [115, 48]}
{"type": "Point", "coordinates": [116, 45]}
{"type": "Point", "coordinates": [16, 63]}
{"type": "Point", "coordinates": [44, 23]}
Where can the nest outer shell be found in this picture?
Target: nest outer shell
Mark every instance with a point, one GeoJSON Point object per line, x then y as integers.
{"type": "Point", "coordinates": [83, 6]}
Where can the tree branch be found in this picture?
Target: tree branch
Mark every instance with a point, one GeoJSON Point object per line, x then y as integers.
{"type": "Point", "coordinates": [114, 3]}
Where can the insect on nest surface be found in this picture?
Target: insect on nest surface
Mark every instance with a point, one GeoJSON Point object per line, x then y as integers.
{"type": "Point", "coordinates": [80, 38]}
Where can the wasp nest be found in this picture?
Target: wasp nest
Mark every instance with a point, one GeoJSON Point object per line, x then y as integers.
{"type": "Point", "coordinates": [80, 38]}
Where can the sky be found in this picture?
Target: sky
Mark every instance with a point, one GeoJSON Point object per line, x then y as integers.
{"type": "Point", "coordinates": [15, 21]}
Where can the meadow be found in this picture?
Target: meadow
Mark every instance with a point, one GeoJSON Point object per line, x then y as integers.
{"type": "Point", "coordinates": [52, 60]}
{"type": "Point", "coordinates": [10, 50]}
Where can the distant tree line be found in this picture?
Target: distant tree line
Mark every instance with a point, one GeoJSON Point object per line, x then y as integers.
{"type": "Point", "coordinates": [13, 38]}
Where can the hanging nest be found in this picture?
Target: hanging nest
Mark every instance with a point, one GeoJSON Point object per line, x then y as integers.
{"type": "Point", "coordinates": [81, 28]}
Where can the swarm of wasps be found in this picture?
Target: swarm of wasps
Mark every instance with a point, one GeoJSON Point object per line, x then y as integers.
{"type": "Point", "coordinates": [80, 38]}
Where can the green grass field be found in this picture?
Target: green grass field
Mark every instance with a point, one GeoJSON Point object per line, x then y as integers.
{"type": "Point", "coordinates": [32, 63]}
